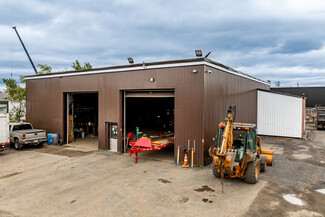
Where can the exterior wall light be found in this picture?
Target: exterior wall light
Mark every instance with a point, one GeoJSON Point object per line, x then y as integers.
{"type": "Point", "coordinates": [198, 53]}
{"type": "Point", "coordinates": [194, 71]}
{"type": "Point", "coordinates": [130, 60]}
{"type": "Point", "coordinates": [152, 80]}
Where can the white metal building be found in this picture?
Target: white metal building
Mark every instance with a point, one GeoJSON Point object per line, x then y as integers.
{"type": "Point", "coordinates": [280, 114]}
{"type": "Point", "coordinates": [9, 107]}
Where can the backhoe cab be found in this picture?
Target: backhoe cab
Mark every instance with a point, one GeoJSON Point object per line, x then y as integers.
{"type": "Point", "coordinates": [238, 152]}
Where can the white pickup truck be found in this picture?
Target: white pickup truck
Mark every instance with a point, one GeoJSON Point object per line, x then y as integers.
{"type": "Point", "coordinates": [4, 133]}
{"type": "Point", "coordinates": [23, 134]}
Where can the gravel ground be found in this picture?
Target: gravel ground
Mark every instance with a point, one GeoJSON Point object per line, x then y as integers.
{"type": "Point", "coordinates": [78, 181]}
{"type": "Point", "coordinates": [298, 170]}
{"type": "Point", "coordinates": [48, 182]}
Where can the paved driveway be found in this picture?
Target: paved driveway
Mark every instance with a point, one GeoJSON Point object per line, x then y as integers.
{"type": "Point", "coordinates": [63, 181]}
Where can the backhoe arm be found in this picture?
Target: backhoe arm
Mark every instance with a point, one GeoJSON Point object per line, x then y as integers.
{"type": "Point", "coordinates": [227, 138]}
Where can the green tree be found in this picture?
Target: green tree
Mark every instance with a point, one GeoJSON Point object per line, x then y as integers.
{"type": "Point", "coordinates": [22, 79]}
{"type": "Point", "coordinates": [44, 69]}
{"type": "Point", "coordinates": [17, 96]}
{"type": "Point", "coordinates": [76, 65]}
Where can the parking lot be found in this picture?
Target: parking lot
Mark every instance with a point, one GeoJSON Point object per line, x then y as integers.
{"type": "Point", "coordinates": [71, 181]}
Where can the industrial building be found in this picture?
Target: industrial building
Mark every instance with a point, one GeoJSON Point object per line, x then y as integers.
{"type": "Point", "coordinates": [185, 97]}
{"type": "Point", "coordinates": [280, 114]}
{"type": "Point", "coordinates": [314, 95]}
{"type": "Point", "coordinates": [9, 107]}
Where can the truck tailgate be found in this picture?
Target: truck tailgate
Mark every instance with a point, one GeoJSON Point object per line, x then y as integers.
{"type": "Point", "coordinates": [34, 134]}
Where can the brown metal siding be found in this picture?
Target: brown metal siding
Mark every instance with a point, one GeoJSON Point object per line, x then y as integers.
{"type": "Point", "coordinates": [200, 101]}
{"type": "Point", "coordinates": [44, 104]}
{"type": "Point", "coordinates": [223, 89]}
{"type": "Point", "coordinates": [45, 100]}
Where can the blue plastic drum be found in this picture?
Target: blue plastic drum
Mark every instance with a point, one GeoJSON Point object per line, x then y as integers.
{"type": "Point", "coordinates": [49, 138]}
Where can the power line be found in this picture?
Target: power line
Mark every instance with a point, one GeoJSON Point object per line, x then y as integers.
{"type": "Point", "coordinates": [11, 54]}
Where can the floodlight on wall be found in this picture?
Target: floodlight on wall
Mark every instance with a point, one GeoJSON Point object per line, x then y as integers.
{"type": "Point", "coordinates": [130, 60]}
{"type": "Point", "coordinates": [198, 53]}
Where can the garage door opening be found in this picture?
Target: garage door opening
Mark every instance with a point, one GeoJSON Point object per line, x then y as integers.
{"type": "Point", "coordinates": [152, 115]}
{"type": "Point", "coordinates": [82, 120]}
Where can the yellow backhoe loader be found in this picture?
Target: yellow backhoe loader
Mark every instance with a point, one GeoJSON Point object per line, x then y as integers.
{"type": "Point", "coordinates": [238, 152]}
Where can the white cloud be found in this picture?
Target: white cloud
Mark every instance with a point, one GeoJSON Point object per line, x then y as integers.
{"type": "Point", "coordinates": [258, 37]}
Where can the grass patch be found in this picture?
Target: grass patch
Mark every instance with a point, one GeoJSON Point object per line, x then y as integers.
{"type": "Point", "coordinates": [199, 165]}
{"type": "Point", "coordinates": [100, 151]}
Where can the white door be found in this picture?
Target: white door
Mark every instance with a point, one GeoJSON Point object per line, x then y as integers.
{"type": "Point", "coordinates": [113, 137]}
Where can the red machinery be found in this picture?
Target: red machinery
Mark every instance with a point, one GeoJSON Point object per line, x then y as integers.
{"type": "Point", "coordinates": [145, 144]}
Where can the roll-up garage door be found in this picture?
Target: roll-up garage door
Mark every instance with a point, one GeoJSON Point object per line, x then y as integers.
{"type": "Point", "coordinates": [144, 94]}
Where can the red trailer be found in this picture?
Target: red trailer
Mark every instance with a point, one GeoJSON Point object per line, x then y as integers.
{"type": "Point", "coordinates": [148, 144]}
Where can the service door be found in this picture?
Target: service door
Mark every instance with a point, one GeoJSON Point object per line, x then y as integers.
{"type": "Point", "coordinates": [113, 137]}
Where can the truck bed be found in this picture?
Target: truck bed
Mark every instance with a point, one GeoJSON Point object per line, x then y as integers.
{"type": "Point", "coordinates": [30, 131]}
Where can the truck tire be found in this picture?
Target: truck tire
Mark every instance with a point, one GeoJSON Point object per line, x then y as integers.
{"type": "Point", "coordinates": [40, 145]}
{"type": "Point", "coordinates": [317, 126]}
{"type": "Point", "coordinates": [215, 172]}
{"type": "Point", "coordinates": [252, 173]}
{"type": "Point", "coordinates": [18, 146]}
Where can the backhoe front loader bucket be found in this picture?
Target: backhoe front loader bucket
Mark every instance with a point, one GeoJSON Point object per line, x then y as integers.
{"type": "Point", "coordinates": [269, 156]}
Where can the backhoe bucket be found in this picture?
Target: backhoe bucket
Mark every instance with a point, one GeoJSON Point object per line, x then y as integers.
{"type": "Point", "coordinates": [269, 156]}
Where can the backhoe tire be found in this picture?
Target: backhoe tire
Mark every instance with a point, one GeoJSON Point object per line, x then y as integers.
{"type": "Point", "coordinates": [215, 172]}
{"type": "Point", "coordinates": [17, 145]}
{"type": "Point", "coordinates": [263, 164]}
{"type": "Point", "coordinates": [263, 167]}
{"type": "Point", "coordinates": [252, 173]}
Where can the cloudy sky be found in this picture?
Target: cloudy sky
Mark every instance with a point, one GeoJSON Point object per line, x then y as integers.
{"type": "Point", "coordinates": [273, 40]}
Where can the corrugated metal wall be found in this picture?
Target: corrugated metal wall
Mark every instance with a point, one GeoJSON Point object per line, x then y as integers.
{"type": "Point", "coordinates": [45, 100]}
{"type": "Point", "coordinates": [223, 89]}
{"type": "Point", "coordinates": [314, 95]}
{"type": "Point", "coordinates": [279, 115]}
{"type": "Point", "coordinates": [200, 101]}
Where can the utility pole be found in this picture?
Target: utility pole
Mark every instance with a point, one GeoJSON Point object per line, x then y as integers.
{"type": "Point", "coordinates": [30, 59]}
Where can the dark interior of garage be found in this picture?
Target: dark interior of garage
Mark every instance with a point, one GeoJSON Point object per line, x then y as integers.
{"type": "Point", "coordinates": [84, 110]}
{"type": "Point", "coordinates": [152, 115]}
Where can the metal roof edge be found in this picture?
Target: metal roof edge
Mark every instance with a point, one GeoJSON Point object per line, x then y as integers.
{"type": "Point", "coordinates": [126, 67]}
{"type": "Point", "coordinates": [234, 72]}
{"type": "Point", "coordinates": [298, 87]}
{"type": "Point", "coordinates": [282, 93]}
{"type": "Point", "coordinates": [145, 66]}
{"type": "Point", "coordinates": [136, 68]}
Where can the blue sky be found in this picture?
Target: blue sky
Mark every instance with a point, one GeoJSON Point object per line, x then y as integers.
{"type": "Point", "coordinates": [272, 39]}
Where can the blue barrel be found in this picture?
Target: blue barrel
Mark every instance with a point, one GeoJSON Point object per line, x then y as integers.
{"type": "Point", "coordinates": [55, 139]}
{"type": "Point", "coordinates": [49, 138]}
